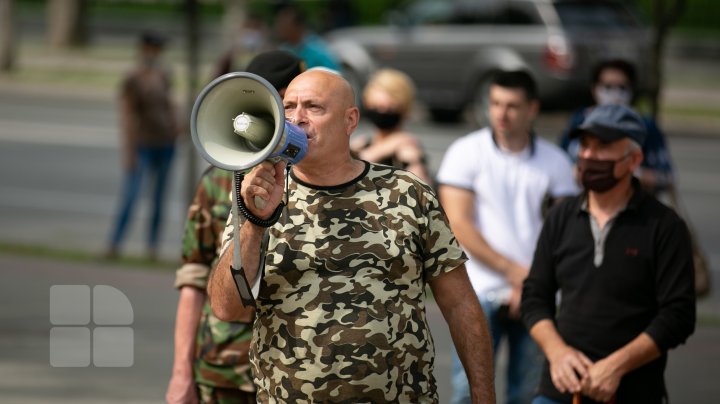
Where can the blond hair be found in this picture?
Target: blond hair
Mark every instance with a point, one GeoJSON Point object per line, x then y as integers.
{"type": "Point", "coordinates": [396, 84]}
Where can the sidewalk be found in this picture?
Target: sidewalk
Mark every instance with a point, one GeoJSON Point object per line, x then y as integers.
{"type": "Point", "coordinates": [26, 376]}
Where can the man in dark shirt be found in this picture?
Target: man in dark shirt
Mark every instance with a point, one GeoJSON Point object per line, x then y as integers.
{"type": "Point", "coordinates": [623, 265]}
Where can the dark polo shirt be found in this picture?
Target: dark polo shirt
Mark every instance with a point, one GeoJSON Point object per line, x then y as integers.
{"type": "Point", "coordinates": [644, 283]}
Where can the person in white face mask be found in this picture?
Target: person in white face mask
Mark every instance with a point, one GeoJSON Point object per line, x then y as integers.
{"type": "Point", "coordinates": [613, 82]}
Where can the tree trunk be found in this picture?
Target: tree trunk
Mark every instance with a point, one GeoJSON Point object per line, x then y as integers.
{"type": "Point", "coordinates": [7, 37]}
{"type": "Point", "coordinates": [67, 23]}
{"type": "Point", "coordinates": [234, 15]}
{"type": "Point", "coordinates": [192, 27]}
{"type": "Point", "coordinates": [665, 17]}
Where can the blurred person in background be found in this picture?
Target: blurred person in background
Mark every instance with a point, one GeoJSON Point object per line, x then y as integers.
{"type": "Point", "coordinates": [614, 81]}
{"type": "Point", "coordinates": [293, 35]}
{"type": "Point", "coordinates": [495, 186]}
{"type": "Point", "coordinates": [149, 128]}
{"type": "Point", "coordinates": [211, 363]}
{"type": "Point", "coordinates": [251, 40]}
{"type": "Point", "coordinates": [388, 100]}
{"type": "Point", "coordinates": [623, 265]}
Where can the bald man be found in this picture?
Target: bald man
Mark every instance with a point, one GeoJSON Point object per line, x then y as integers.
{"type": "Point", "coordinates": [341, 305]}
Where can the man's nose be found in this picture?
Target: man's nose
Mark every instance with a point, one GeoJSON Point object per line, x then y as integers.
{"type": "Point", "coordinates": [296, 117]}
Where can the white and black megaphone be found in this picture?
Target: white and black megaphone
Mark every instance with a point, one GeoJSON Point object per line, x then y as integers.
{"type": "Point", "coordinates": [238, 121]}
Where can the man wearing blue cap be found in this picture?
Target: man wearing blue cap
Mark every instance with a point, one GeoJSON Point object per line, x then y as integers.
{"type": "Point", "coordinates": [623, 265]}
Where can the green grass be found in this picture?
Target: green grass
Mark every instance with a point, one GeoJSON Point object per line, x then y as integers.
{"type": "Point", "coordinates": [69, 255]}
{"type": "Point", "coordinates": [696, 111]}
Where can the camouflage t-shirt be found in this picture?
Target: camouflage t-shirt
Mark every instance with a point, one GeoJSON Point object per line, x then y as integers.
{"type": "Point", "coordinates": [341, 309]}
{"type": "Point", "coordinates": [221, 357]}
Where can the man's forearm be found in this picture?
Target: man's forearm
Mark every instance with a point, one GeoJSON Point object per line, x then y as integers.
{"type": "Point", "coordinates": [547, 337]}
{"type": "Point", "coordinates": [634, 354]}
{"type": "Point", "coordinates": [187, 319]}
{"type": "Point", "coordinates": [469, 331]}
{"type": "Point", "coordinates": [224, 296]}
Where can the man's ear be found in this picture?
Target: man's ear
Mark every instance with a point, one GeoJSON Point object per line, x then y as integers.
{"type": "Point", "coordinates": [352, 117]}
{"type": "Point", "coordinates": [534, 108]}
{"type": "Point", "coordinates": [636, 158]}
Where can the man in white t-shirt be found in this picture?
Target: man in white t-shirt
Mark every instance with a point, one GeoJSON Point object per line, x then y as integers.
{"type": "Point", "coordinates": [495, 186]}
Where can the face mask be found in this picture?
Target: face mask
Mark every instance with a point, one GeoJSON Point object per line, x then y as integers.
{"type": "Point", "coordinates": [598, 175]}
{"type": "Point", "coordinates": [383, 120]}
{"type": "Point", "coordinates": [613, 95]}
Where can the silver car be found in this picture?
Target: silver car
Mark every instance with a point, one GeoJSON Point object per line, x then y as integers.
{"type": "Point", "coordinates": [451, 48]}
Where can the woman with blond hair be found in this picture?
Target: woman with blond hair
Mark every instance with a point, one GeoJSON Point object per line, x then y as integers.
{"type": "Point", "coordinates": [388, 100]}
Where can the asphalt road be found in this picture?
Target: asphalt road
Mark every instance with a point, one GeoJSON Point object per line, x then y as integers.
{"type": "Point", "coordinates": [59, 178]}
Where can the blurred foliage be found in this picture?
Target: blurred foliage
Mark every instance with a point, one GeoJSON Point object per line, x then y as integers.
{"type": "Point", "coordinates": [700, 16]}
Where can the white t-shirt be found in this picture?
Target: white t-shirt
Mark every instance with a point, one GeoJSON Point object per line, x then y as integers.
{"type": "Point", "coordinates": [510, 189]}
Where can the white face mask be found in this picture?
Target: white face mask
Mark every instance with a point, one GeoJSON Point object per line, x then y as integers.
{"type": "Point", "coordinates": [613, 95]}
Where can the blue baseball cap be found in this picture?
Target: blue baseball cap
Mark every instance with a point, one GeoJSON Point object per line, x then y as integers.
{"type": "Point", "coordinates": [612, 122]}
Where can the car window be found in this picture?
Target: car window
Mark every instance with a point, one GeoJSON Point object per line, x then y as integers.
{"type": "Point", "coordinates": [431, 12]}
{"type": "Point", "coordinates": [595, 15]}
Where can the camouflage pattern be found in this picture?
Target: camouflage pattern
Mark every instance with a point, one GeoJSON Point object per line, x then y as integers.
{"type": "Point", "coordinates": [221, 347]}
{"type": "Point", "coordinates": [219, 395]}
{"type": "Point", "coordinates": [341, 309]}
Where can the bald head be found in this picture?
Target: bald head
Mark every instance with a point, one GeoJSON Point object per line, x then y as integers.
{"type": "Point", "coordinates": [332, 83]}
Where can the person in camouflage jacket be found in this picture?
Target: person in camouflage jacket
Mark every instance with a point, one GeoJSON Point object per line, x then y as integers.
{"type": "Point", "coordinates": [211, 362]}
{"type": "Point", "coordinates": [341, 306]}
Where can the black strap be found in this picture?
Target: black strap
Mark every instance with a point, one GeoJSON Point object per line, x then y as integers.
{"type": "Point", "coordinates": [246, 212]}
{"type": "Point", "coordinates": [243, 286]}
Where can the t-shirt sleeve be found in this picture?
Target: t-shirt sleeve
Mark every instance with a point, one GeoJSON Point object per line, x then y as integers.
{"type": "Point", "coordinates": [455, 169]}
{"type": "Point", "coordinates": [442, 250]}
{"type": "Point", "coordinates": [563, 181]}
{"type": "Point", "coordinates": [198, 248]}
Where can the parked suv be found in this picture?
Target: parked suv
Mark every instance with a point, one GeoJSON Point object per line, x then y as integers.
{"type": "Point", "coordinates": [451, 48]}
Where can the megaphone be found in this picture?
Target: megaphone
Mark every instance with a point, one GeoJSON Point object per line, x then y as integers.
{"type": "Point", "coordinates": [238, 121]}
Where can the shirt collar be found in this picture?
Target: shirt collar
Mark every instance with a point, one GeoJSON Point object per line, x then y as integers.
{"type": "Point", "coordinates": [531, 143]}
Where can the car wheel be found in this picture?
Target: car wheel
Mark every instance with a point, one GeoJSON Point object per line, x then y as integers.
{"type": "Point", "coordinates": [480, 102]}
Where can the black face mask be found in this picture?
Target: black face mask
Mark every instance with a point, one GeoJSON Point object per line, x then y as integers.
{"type": "Point", "coordinates": [383, 120]}
{"type": "Point", "coordinates": [598, 175]}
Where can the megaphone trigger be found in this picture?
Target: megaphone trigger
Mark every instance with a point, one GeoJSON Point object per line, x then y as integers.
{"type": "Point", "coordinates": [260, 202]}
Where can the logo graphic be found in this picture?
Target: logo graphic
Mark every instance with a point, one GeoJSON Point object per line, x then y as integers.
{"type": "Point", "coordinates": [76, 341]}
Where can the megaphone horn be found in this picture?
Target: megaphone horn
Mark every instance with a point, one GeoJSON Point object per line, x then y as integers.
{"type": "Point", "coordinates": [238, 121]}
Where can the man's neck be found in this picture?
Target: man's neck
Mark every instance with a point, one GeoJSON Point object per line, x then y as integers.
{"type": "Point", "coordinates": [514, 143]}
{"type": "Point", "coordinates": [604, 206]}
{"type": "Point", "coordinates": [331, 173]}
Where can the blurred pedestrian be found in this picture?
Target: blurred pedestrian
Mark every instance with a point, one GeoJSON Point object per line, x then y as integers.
{"type": "Point", "coordinates": [149, 128]}
{"type": "Point", "coordinates": [251, 40]}
{"type": "Point", "coordinates": [623, 266]}
{"type": "Point", "coordinates": [293, 34]}
{"type": "Point", "coordinates": [341, 293]}
{"type": "Point", "coordinates": [211, 361]}
{"type": "Point", "coordinates": [614, 81]}
{"type": "Point", "coordinates": [388, 99]}
{"type": "Point", "coordinates": [495, 185]}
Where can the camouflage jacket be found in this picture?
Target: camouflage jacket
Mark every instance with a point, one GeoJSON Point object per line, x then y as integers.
{"type": "Point", "coordinates": [341, 308]}
{"type": "Point", "coordinates": [221, 347]}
